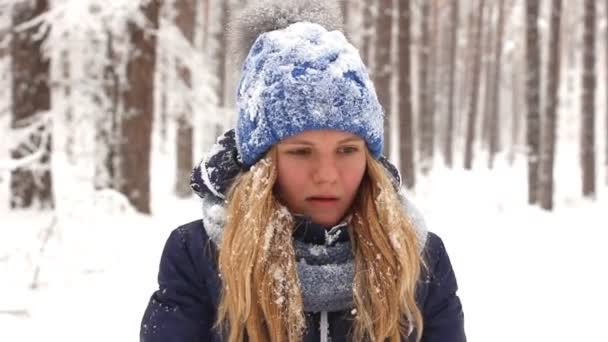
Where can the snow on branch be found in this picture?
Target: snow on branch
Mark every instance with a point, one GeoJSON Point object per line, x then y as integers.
{"type": "Point", "coordinates": [38, 126]}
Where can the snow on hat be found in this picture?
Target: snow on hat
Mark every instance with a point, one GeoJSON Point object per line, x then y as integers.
{"type": "Point", "coordinates": [303, 77]}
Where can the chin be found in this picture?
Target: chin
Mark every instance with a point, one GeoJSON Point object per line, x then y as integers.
{"type": "Point", "coordinates": [326, 222]}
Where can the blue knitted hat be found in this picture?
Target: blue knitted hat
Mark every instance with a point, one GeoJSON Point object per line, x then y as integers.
{"type": "Point", "coordinates": [301, 78]}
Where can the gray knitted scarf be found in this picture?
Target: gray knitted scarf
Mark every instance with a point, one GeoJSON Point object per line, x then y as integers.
{"type": "Point", "coordinates": [326, 272]}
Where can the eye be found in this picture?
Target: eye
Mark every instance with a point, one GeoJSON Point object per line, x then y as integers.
{"type": "Point", "coordinates": [299, 151]}
{"type": "Point", "coordinates": [348, 149]}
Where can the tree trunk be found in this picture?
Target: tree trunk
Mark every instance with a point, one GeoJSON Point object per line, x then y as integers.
{"type": "Point", "coordinates": [31, 187]}
{"type": "Point", "coordinates": [494, 114]}
{"type": "Point", "coordinates": [68, 111]}
{"type": "Point", "coordinates": [107, 173]}
{"type": "Point", "coordinates": [547, 155]}
{"type": "Point", "coordinates": [344, 8]}
{"type": "Point", "coordinates": [185, 22]}
{"type": "Point", "coordinates": [532, 97]}
{"type": "Point", "coordinates": [5, 60]}
{"type": "Point", "coordinates": [468, 62]}
{"type": "Point", "coordinates": [588, 101]}
{"type": "Point", "coordinates": [449, 141]}
{"type": "Point", "coordinates": [406, 140]}
{"type": "Point", "coordinates": [382, 75]}
{"type": "Point", "coordinates": [472, 119]}
{"type": "Point", "coordinates": [206, 23]}
{"type": "Point", "coordinates": [488, 66]}
{"type": "Point", "coordinates": [425, 114]}
{"type": "Point", "coordinates": [434, 89]}
{"type": "Point", "coordinates": [221, 54]}
{"type": "Point", "coordinates": [368, 33]}
{"type": "Point", "coordinates": [516, 112]}
{"type": "Point", "coordinates": [136, 122]}
{"type": "Point", "coordinates": [162, 87]}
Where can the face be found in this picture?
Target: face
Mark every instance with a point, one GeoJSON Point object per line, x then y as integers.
{"type": "Point", "coordinates": [319, 173]}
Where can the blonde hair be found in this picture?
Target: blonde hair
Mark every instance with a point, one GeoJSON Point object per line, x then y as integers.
{"type": "Point", "coordinates": [261, 297]}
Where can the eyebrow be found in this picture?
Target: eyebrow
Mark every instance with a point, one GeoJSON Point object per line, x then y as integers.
{"type": "Point", "coordinates": [304, 142]}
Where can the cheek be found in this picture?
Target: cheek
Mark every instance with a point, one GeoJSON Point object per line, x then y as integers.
{"type": "Point", "coordinates": [291, 179]}
{"type": "Point", "coordinates": [352, 176]}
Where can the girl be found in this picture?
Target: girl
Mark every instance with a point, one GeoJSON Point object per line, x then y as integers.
{"type": "Point", "coordinates": [305, 235]}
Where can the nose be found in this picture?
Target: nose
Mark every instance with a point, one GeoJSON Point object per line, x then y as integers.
{"type": "Point", "coordinates": [325, 170]}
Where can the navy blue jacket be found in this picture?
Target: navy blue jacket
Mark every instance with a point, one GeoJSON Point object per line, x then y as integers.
{"type": "Point", "coordinates": [184, 307]}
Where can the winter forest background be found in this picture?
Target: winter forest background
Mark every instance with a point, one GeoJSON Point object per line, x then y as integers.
{"type": "Point", "coordinates": [498, 122]}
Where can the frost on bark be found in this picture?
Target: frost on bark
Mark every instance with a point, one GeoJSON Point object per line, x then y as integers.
{"type": "Point", "coordinates": [138, 100]}
{"type": "Point", "coordinates": [185, 21]}
{"type": "Point", "coordinates": [107, 128]}
{"type": "Point", "coordinates": [368, 32]}
{"type": "Point", "coordinates": [31, 181]}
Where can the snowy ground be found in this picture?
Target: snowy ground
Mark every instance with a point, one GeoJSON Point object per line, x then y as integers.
{"type": "Point", "coordinates": [524, 275]}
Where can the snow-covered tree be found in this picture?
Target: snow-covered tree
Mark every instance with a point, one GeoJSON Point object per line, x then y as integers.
{"type": "Point", "coordinates": [31, 176]}
{"type": "Point", "coordinates": [185, 20]}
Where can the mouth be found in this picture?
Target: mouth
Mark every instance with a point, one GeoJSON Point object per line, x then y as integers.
{"type": "Point", "coordinates": [323, 200]}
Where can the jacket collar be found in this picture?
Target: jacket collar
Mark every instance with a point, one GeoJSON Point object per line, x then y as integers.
{"type": "Point", "coordinates": [307, 231]}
